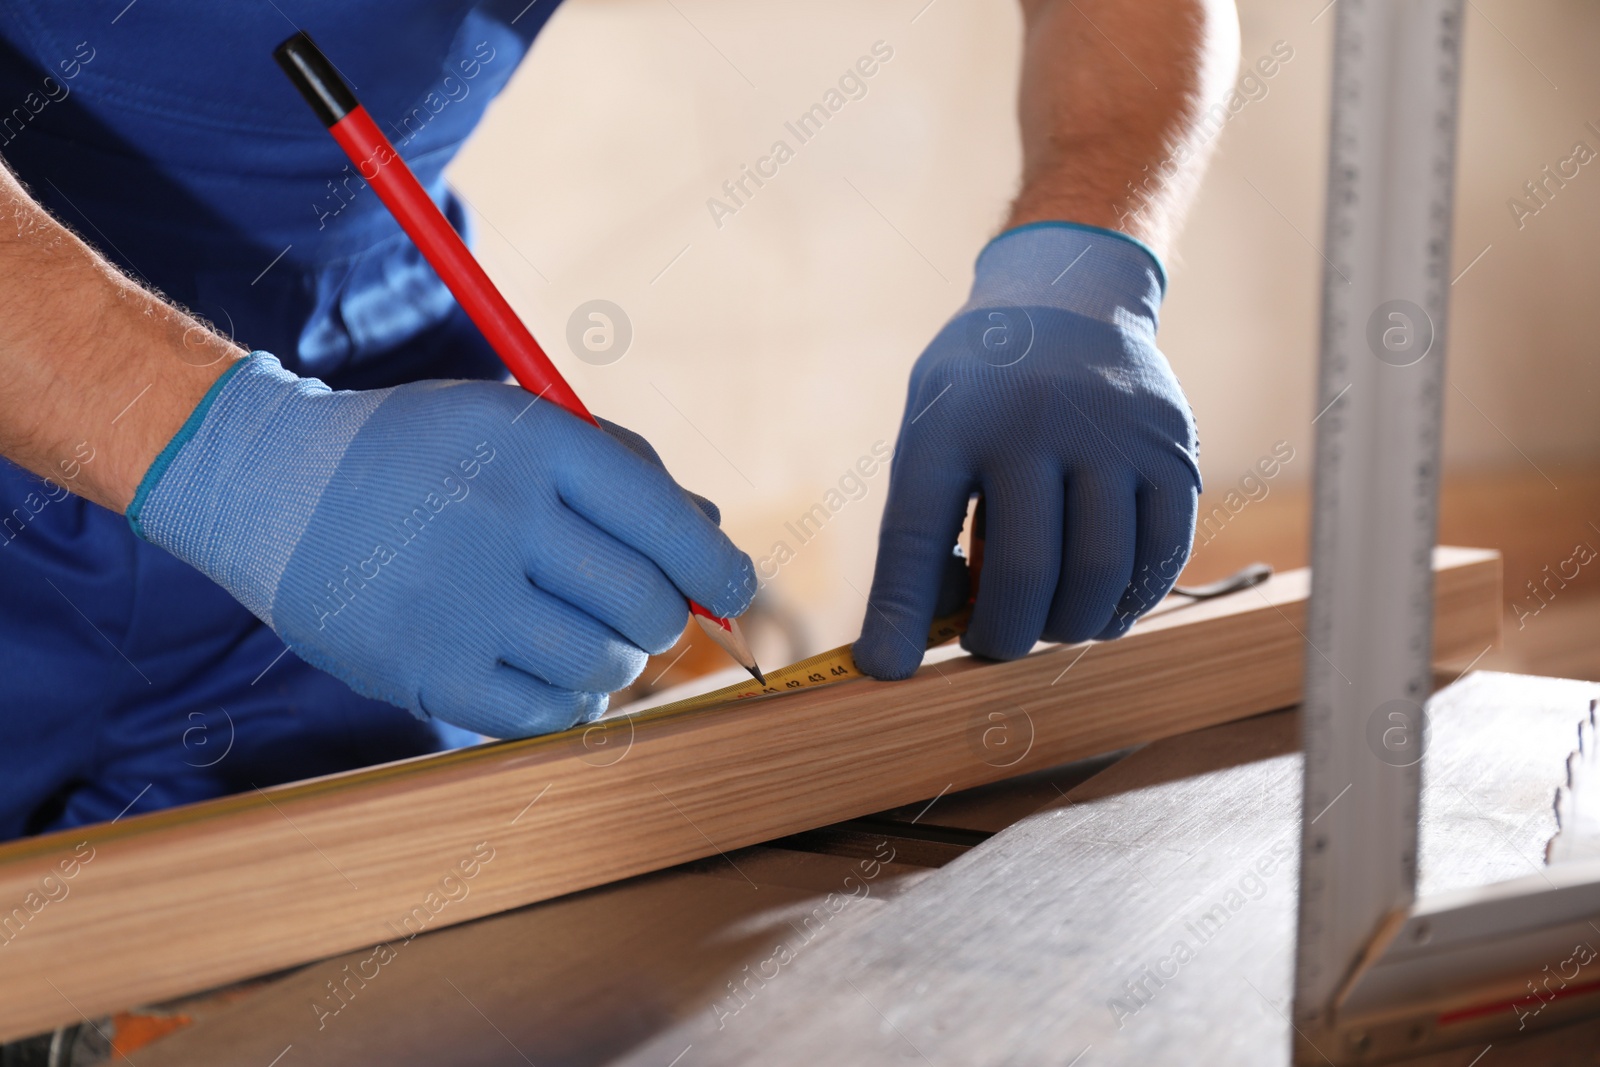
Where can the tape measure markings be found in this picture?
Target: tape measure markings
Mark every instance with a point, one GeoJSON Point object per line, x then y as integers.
{"type": "Point", "coordinates": [838, 664]}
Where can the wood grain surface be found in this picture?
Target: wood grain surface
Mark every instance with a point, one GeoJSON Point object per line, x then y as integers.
{"type": "Point", "coordinates": [580, 980]}
{"type": "Point", "coordinates": [1149, 916]}
{"type": "Point", "coordinates": [586, 977]}
{"type": "Point", "coordinates": [164, 904]}
{"type": "Point", "coordinates": [647, 971]}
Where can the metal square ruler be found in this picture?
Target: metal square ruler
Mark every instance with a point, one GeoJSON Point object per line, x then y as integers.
{"type": "Point", "coordinates": [1380, 975]}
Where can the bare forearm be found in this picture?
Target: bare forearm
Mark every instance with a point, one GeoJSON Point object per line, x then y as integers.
{"type": "Point", "coordinates": [96, 374]}
{"type": "Point", "coordinates": [1112, 96]}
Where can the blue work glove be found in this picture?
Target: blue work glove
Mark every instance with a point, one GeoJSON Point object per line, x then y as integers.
{"type": "Point", "coordinates": [1046, 393]}
{"type": "Point", "coordinates": [450, 547]}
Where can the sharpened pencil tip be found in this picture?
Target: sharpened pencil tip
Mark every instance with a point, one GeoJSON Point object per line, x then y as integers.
{"type": "Point", "coordinates": [727, 635]}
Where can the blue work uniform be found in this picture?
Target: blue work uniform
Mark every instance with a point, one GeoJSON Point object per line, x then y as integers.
{"type": "Point", "coordinates": [165, 135]}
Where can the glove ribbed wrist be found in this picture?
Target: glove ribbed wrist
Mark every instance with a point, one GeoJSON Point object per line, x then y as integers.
{"type": "Point", "coordinates": [235, 487]}
{"type": "Point", "coordinates": [1086, 270]}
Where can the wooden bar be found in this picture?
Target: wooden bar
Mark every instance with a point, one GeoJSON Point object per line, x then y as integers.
{"type": "Point", "coordinates": [160, 905]}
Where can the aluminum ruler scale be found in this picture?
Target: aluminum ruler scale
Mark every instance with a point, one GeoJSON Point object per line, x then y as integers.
{"type": "Point", "coordinates": [1379, 975]}
{"type": "Point", "coordinates": [1387, 244]}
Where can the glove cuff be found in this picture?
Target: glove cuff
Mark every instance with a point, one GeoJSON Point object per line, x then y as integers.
{"type": "Point", "coordinates": [235, 487]}
{"type": "Point", "coordinates": [1100, 274]}
{"type": "Point", "coordinates": [163, 460]}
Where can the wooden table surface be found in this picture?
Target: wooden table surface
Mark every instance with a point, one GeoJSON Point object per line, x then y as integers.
{"type": "Point", "coordinates": [1032, 922]}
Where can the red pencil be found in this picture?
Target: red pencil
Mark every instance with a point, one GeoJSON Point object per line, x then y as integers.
{"type": "Point", "coordinates": [381, 167]}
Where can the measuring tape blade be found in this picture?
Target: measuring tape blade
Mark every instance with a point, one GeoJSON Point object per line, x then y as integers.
{"type": "Point", "coordinates": [1390, 190]}
{"type": "Point", "coordinates": [825, 668]}
{"type": "Point", "coordinates": [839, 664]}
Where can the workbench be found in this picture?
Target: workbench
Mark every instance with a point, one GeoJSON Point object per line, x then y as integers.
{"type": "Point", "coordinates": [1033, 921]}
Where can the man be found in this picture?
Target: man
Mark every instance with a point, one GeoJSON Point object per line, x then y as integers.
{"type": "Point", "coordinates": [176, 511]}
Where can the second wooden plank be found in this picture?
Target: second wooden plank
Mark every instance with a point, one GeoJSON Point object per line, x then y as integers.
{"type": "Point", "coordinates": [169, 903]}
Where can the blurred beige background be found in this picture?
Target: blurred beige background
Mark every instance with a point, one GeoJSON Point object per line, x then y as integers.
{"type": "Point", "coordinates": [769, 354]}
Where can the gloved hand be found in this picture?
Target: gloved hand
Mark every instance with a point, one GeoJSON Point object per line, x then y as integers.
{"type": "Point", "coordinates": [443, 546]}
{"type": "Point", "coordinates": [1047, 394]}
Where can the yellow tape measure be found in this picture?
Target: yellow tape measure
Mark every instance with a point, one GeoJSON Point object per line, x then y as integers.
{"type": "Point", "coordinates": [825, 668]}
{"type": "Point", "coordinates": [839, 665]}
